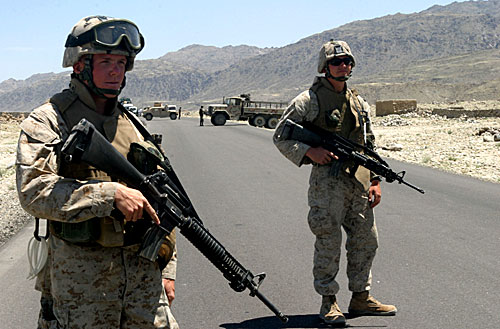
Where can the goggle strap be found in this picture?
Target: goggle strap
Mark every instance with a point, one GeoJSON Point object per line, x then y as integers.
{"type": "Point", "coordinates": [80, 40]}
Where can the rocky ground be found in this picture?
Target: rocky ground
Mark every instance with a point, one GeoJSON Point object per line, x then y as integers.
{"type": "Point", "coordinates": [465, 145]}
{"type": "Point", "coordinates": [12, 216]}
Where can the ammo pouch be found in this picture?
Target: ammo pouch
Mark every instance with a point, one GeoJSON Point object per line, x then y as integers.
{"type": "Point", "coordinates": [105, 231]}
{"type": "Point", "coordinates": [86, 232]}
{"type": "Point", "coordinates": [166, 250]}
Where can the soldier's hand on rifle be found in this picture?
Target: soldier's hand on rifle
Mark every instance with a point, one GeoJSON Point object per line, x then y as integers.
{"type": "Point", "coordinates": [374, 193]}
{"type": "Point", "coordinates": [320, 155]}
{"type": "Point", "coordinates": [132, 204]}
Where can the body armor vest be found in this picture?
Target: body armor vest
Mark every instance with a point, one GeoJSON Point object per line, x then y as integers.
{"type": "Point", "coordinates": [341, 113]}
{"type": "Point", "coordinates": [106, 231]}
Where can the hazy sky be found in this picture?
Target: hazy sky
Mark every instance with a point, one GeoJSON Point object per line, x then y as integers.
{"type": "Point", "coordinates": [33, 32]}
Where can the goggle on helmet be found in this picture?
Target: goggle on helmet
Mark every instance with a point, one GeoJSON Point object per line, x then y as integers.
{"type": "Point", "coordinates": [109, 35]}
{"type": "Point", "coordinates": [100, 35]}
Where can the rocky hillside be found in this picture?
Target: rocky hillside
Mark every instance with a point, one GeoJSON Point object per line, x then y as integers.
{"type": "Point", "coordinates": [398, 56]}
{"type": "Point", "coordinates": [443, 53]}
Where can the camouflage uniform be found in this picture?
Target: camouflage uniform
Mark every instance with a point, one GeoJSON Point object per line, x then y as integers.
{"type": "Point", "coordinates": [335, 199]}
{"type": "Point", "coordinates": [90, 286]}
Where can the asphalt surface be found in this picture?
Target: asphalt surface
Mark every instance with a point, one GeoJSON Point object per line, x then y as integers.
{"type": "Point", "coordinates": [437, 260]}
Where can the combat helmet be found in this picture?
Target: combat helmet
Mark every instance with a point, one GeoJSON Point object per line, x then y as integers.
{"type": "Point", "coordinates": [102, 35]}
{"type": "Point", "coordinates": [333, 49]}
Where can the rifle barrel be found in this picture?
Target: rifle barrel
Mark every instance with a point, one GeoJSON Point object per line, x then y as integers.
{"type": "Point", "coordinates": [412, 186]}
{"type": "Point", "coordinates": [273, 308]}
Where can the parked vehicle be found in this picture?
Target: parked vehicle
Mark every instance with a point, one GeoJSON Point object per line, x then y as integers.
{"type": "Point", "coordinates": [127, 104]}
{"type": "Point", "coordinates": [257, 113]}
{"type": "Point", "coordinates": [160, 111]}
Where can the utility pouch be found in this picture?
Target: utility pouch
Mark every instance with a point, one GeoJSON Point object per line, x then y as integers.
{"type": "Point", "coordinates": [83, 232]}
{"type": "Point", "coordinates": [111, 232]}
{"type": "Point", "coordinates": [335, 168]}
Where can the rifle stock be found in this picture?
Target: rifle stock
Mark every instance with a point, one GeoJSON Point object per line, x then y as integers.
{"type": "Point", "coordinates": [173, 207]}
{"type": "Point", "coordinates": [345, 150]}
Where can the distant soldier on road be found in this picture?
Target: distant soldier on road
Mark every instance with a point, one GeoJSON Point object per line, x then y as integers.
{"type": "Point", "coordinates": [201, 115]}
{"type": "Point", "coordinates": [340, 195]}
{"type": "Point", "coordinates": [180, 108]}
{"type": "Point", "coordinates": [93, 277]}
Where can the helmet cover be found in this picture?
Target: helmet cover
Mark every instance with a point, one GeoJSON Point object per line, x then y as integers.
{"type": "Point", "coordinates": [333, 49]}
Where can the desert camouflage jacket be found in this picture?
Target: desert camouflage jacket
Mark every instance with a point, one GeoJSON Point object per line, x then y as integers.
{"type": "Point", "coordinates": [305, 107]}
{"type": "Point", "coordinates": [45, 194]}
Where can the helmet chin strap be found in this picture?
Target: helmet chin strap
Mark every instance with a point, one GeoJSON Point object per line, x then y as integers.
{"type": "Point", "coordinates": [86, 76]}
{"type": "Point", "coordinates": [329, 75]}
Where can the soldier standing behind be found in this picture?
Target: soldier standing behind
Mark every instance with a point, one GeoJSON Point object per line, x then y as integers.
{"type": "Point", "coordinates": [337, 198]}
{"type": "Point", "coordinates": [201, 115]}
{"type": "Point", "coordinates": [93, 277]}
{"type": "Point", "coordinates": [180, 108]}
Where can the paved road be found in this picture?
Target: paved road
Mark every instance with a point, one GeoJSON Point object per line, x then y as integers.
{"type": "Point", "coordinates": [438, 256]}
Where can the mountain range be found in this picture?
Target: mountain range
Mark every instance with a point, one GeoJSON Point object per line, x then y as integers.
{"type": "Point", "coordinates": [444, 53]}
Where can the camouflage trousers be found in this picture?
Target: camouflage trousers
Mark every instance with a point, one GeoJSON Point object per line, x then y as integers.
{"type": "Point", "coordinates": [96, 287]}
{"type": "Point", "coordinates": [336, 203]}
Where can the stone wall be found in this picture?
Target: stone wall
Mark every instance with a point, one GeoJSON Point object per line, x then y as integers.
{"type": "Point", "coordinates": [395, 106]}
{"type": "Point", "coordinates": [458, 112]}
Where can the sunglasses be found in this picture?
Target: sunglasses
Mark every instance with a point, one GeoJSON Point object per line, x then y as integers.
{"type": "Point", "coordinates": [337, 61]}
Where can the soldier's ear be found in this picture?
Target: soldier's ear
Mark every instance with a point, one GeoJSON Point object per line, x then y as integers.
{"type": "Point", "coordinates": [78, 66]}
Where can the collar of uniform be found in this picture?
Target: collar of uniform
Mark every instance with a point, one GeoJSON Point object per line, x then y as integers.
{"type": "Point", "coordinates": [325, 83]}
{"type": "Point", "coordinates": [84, 95]}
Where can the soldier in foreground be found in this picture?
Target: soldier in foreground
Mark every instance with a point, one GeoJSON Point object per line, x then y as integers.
{"type": "Point", "coordinates": [339, 195]}
{"type": "Point", "coordinates": [93, 277]}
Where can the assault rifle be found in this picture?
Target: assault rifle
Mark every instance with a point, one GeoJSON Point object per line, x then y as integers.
{"type": "Point", "coordinates": [171, 203]}
{"type": "Point", "coordinates": [345, 150]}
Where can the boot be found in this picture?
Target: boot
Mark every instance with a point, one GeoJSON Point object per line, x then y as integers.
{"type": "Point", "coordinates": [362, 303]}
{"type": "Point", "coordinates": [330, 312]}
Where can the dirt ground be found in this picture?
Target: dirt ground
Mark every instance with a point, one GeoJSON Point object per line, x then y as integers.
{"type": "Point", "coordinates": [464, 145]}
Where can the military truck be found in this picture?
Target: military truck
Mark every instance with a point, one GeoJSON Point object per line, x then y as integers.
{"type": "Point", "coordinates": [257, 113]}
{"type": "Point", "coordinates": [160, 110]}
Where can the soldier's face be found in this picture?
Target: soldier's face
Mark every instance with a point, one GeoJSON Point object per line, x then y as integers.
{"type": "Point", "coordinates": [340, 70]}
{"type": "Point", "coordinates": [109, 71]}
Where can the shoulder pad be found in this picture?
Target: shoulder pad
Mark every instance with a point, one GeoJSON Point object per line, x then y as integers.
{"type": "Point", "coordinates": [63, 100]}
{"type": "Point", "coordinates": [42, 124]}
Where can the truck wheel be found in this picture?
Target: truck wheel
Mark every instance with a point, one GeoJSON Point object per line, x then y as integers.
{"type": "Point", "coordinates": [259, 121]}
{"type": "Point", "coordinates": [218, 119]}
{"type": "Point", "coordinates": [272, 122]}
{"type": "Point", "coordinates": [148, 116]}
{"type": "Point", "coordinates": [173, 116]}
{"type": "Point", "coordinates": [251, 122]}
